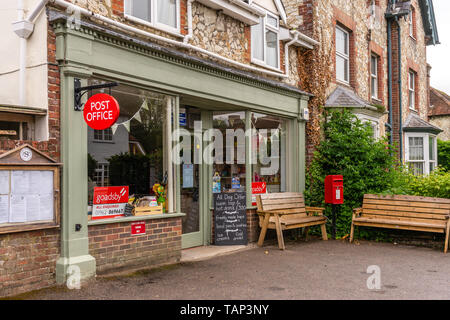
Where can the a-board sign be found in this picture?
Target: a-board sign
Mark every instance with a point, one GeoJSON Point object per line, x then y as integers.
{"type": "Point", "coordinates": [109, 202]}
{"type": "Point", "coordinates": [101, 111]}
{"type": "Point", "coordinates": [230, 218]}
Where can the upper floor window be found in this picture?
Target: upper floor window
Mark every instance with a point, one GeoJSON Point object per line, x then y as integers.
{"type": "Point", "coordinates": [411, 90]}
{"type": "Point", "coordinates": [265, 43]}
{"type": "Point", "coordinates": [103, 135]}
{"type": "Point", "coordinates": [372, 8]}
{"type": "Point", "coordinates": [163, 14]}
{"type": "Point", "coordinates": [342, 55]}
{"type": "Point", "coordinates": [374, 76]}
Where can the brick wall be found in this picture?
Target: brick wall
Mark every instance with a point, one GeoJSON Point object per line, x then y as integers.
{"type": "Point", "coordinates": [115, 249]}
{"type": "Point", "coordinates": [28, 261]}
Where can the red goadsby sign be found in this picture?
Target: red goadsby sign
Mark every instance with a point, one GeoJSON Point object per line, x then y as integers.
{"type": "Point", "coordinates": [101, 111]}
{"type": "Point", "coordinates": [109, 202]}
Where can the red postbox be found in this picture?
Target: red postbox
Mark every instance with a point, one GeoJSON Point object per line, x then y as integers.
{"type": "Point", "coordinates": [334, 189]}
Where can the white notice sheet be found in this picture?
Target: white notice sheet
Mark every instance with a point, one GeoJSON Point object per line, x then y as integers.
{"type": "Point", "coordinates": [4, 208]}
{"type": "Point", "coordinates": [46, 182]}
{"type": "Point", "coordinates": [20, 181]}
{"type": "Point", "coordinates": [33, 204]}
{"type": "Point", "coordinates": [46, 206]}
{"type": "Point", "coordinates": [4, 181]}
{"type": "Point", "coordinates": [18, 208]}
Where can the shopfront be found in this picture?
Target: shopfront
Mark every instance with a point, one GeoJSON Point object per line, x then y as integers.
{"type": "Point", "coordinates": [174, 111]}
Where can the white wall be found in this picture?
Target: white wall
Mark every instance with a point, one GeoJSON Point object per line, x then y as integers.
{"type": "Point", "coordinates": [36, 82]}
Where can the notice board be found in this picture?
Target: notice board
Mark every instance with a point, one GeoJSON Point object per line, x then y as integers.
{"type": "Point", "coordinates": [29, 190]}
{"type": "Point", "coordinates": [230, 218]}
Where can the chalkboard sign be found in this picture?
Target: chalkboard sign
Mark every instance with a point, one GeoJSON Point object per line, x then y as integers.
{"type": "Point", "coordinates": [230, 218]}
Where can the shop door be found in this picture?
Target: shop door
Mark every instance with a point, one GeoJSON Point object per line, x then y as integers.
{"type": "Point", "coordinates": [191, 193]}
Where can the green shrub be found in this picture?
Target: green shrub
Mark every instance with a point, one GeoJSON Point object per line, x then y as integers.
{"type": "Point", "coordinates": [436, 184]}
{"type": "Point", "coordinates": [444, 154]}
{"type": "Point", "coordinates": [367, 165]}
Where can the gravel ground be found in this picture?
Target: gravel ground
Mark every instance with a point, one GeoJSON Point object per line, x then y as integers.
{"type": "Point", "coordinates": [305, 270]}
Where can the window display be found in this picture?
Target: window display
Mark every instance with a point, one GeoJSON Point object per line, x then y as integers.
{"type": "Point", "coordinates": [133, 151]}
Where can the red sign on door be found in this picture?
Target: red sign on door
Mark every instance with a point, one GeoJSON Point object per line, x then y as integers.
{"type": "Point", "coordinates": [137, 228]}
{"type": "Point", "coordinates": [101, 111]}
{"type": "Point", "coordinates": [258, 188]}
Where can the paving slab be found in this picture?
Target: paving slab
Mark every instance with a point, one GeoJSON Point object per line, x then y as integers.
{"type": "Point", "coordinates": [305, 270]}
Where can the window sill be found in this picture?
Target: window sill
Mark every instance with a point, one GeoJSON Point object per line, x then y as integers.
{"type": "Point", "coordinates": [264, 65]}
{"type": "Point", "coordinates": [134, 218]}
{"type": "Point", "coordinates": [102, 141]}
{"type": "Point", "coordinates": [412, 37]}
{"type": "Point", "coordinates": [342, 82]}
{"type": "Point", "coordinates": [413, 110]}
{"type": "Point", "coordinates": [171, 31]}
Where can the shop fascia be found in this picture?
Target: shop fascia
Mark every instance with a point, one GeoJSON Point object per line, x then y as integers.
{"type": "Point", "coordinates": [212, 154]}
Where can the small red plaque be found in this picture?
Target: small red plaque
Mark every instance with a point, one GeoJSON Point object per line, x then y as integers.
{"type": "Point", "coordinates": [137, 228]}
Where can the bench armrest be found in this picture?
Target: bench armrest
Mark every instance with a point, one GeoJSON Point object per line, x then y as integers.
{"type": "Point", "coordinates": [315, 210]}
{"type": "Point", "coordinates": [357, 212]}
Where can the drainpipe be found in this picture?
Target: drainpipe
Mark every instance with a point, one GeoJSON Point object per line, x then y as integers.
{"type": "Point", "coordinates": [189, 17]}
{"type": "Point", "coordinates": [400, 130]}
{"type": "Point", "coordinates": [391, 138]}
{"type": "Point", "coordinates": [286, 53]}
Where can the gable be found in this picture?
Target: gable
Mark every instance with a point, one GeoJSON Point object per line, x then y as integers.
{"type": "Point", "coordinates": [274, 6]}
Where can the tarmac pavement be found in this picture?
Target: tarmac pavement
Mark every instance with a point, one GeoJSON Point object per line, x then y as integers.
{"type": "Point", "coordinates": [305, 270]}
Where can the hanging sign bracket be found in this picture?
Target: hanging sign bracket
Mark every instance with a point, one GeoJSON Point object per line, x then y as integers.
{"type": "Point", "coordinates": [79, 91]}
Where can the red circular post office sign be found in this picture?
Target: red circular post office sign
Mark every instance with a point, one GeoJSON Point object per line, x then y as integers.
{"type": "Point", "coordinates": [101, 111]}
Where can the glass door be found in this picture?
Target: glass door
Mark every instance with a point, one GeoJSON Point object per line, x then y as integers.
{"type": "Point", "coordinates": [191, 175]}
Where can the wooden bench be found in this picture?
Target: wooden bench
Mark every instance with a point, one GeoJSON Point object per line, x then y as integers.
{"type": "Point", "coordinates": [404, 212]}
{"type": "Point", "coordinates": [284, 211]}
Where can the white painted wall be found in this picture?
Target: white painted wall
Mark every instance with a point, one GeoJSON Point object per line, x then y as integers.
{"type": "Point", "coordinates": [36, 94]}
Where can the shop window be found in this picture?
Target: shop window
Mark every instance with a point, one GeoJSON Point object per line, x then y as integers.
{"type": "Point", "coordinates": [163, 14]}
{"type": "Point", "coordinates": [229, 162]}
{"type": "Point", "coordinates": [137, 153]}
{"type": "Point", "coordinates": [269, 151]}
{"type": "Point", "coordinates": [421, 152]}
{"type": "Point", "coordinates": [265, 44]}
{"type": "Point", "coordinates": [342, 55]}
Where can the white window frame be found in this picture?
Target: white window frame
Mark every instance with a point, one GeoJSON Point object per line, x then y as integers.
{"type": "Point", "coordinates": [426, 149]}
{"type": "Point", "coordinates": [410, 22]}
{"type": "Point", "coordinates": [372, 9]}
{"type": "Point", "coordinates": [100, 169]}
{"type": "Point", "coordinates": [343, 55]}
{"type": "Point", "coordinates": [103, 134]}
{"type": "Point", "coordinates": [154, 19]}
{"type": "Point", "coordinates": [265, 27]}
{"type": "Point", "coordinates": [373, 122]}
{"type": "Point", "coordinates": [411, 90]}
{"type": "Point", "coordinates": [374, 76]}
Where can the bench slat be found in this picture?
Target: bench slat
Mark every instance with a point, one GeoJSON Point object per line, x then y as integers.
{"type": "Point", "coordinates": [302, 220]}
{"type": "Point", "coordinates": [405, 208]}
{"type": "Point", "coordinates": [281, 206]}
{"type": "Point", "coordinates": [404, 219]}
{"type": "Point", "coordinates": [428, 216]}
{"type": "Point", "coordinates": [281, 195]}
{"type": "Point", "coordinates": [407, 198]}
{"type": "Point", "coordinates": [409, 203]}
{"type": "Point", "coordinates": [267, 202]}
{"type": "Point", "coordinates": [402, 227]}
{"type": "Point", "coordinates": [402, 222]}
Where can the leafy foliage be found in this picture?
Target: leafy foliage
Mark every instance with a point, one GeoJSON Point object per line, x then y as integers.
{"type": "Point", "coordinates": [367, 165]}
{"type": "Point", "coordinates": [444, 154]}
